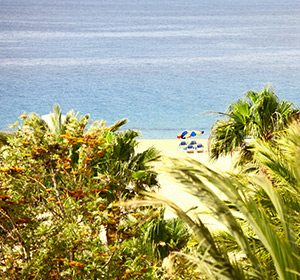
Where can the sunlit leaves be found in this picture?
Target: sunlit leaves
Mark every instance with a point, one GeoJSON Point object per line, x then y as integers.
{"type": "Point", "coordinates": [59, 217]}
{"type": "Point", "coordinates": [259, 115]}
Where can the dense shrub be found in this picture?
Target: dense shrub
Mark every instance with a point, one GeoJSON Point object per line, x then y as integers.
{"type": "Point", "coordinates": [59, 200]}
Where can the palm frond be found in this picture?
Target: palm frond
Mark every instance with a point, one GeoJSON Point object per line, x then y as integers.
{"type": "Point", "coordinates": [117, 125]}
{"type": "Point", "coordinates": [197, 178]}
{"type": "Point", "coordinates": [217, 260]}
{"type": "Point", "coordinates": [56, 120]}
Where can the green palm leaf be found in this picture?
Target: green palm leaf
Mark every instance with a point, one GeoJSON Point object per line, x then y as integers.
{"type": "Point", "coordinates": [260, 115]}
{"type": "Point", "coordinates": [197, 179]}
{"type": "Point", "coordinates": [216, 259]}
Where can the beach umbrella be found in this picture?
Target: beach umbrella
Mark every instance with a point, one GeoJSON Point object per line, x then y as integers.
{"type": "Point", "coordinates": [182, 134]}
{"type": "Point", "coordinates": [193, 133]}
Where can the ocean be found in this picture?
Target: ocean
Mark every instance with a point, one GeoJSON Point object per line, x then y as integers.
{"type": "Point", "coordinates": [160, 64]}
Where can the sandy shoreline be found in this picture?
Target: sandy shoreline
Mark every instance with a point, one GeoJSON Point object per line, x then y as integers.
{"type": "Point", "coordinates": [173, 190]}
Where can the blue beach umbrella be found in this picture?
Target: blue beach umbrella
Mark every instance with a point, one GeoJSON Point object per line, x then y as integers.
{"type": "Point", "coordinates": [182, 134]}
{"type": "Point", "coordinates": [193, 133]}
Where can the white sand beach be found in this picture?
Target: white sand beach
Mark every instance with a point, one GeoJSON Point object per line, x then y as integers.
{"type": "Point", "coordinates": [172, 189]}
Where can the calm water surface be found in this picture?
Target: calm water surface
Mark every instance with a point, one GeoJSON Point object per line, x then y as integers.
{"type": "Point", "coordinates": [157, 63]}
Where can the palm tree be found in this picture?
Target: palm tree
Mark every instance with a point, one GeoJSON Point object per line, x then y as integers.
{"type": "Point", "coordinates": [259, 115]}
{"type": "Point", "coordinates": [127, 171]}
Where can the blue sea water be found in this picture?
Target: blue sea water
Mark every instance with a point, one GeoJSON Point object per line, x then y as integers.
{"type": "Point", "coordinates": [157, 63]}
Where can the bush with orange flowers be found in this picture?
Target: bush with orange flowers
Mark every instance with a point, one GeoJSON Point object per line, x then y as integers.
{"type": "Point", "coordinates": [60, 188]}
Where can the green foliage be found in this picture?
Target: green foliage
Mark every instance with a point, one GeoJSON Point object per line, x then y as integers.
{"type": "Point", "coordinates": [167, 236]}
{"type": "Point", "coordinates": [127, 171]}
{"type": "Point", "coordinates": [63, 186]}
{"type": "Point", "coordinates": [4, 137]}
{"type": "Point", "coordinates": [260, 115]}
{"type": "Point", "coordinates": [260, 213]}
{"type": "Point", "coordinates": [60, 188]}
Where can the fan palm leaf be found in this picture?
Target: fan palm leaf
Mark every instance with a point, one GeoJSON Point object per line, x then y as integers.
{"type": "Point", "coordinates": [260, 115]}
{"type": "Point", "coordinates": [126, 168]}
